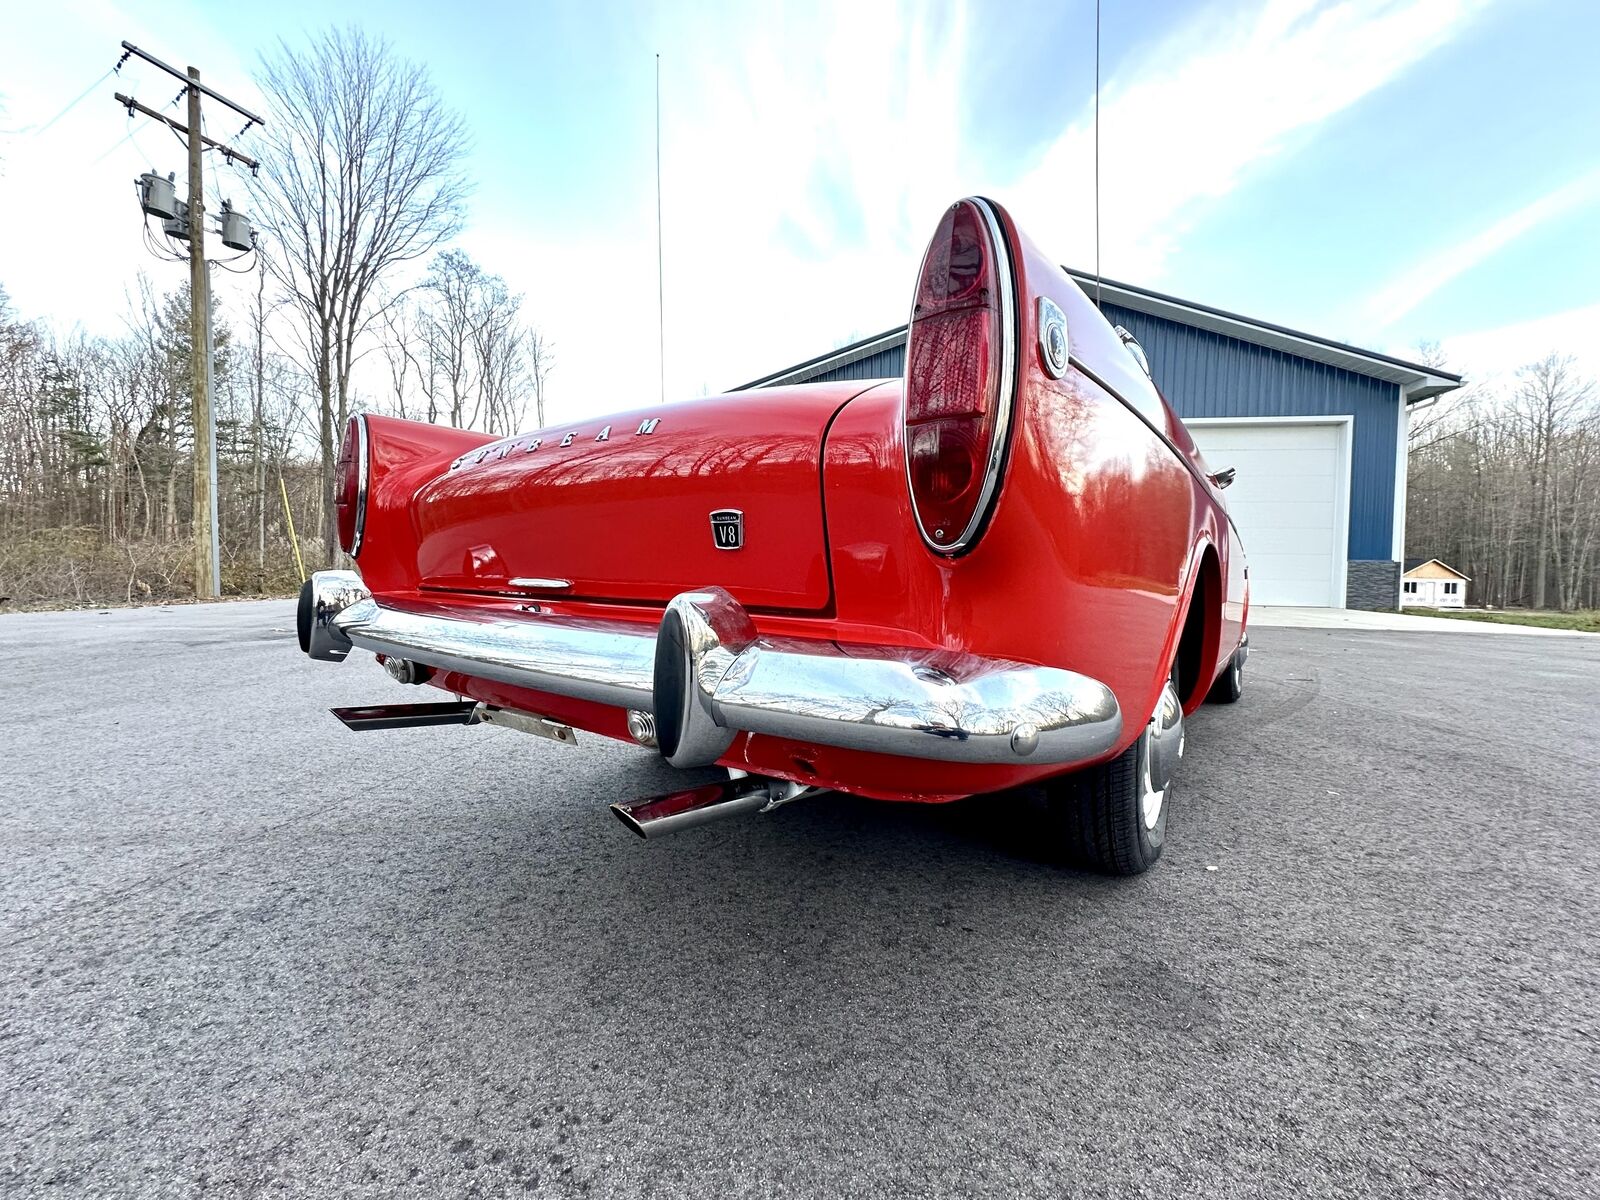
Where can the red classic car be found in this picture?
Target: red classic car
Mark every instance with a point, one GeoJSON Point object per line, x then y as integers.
{"type": "Point", "coordinates": [1011, 567]}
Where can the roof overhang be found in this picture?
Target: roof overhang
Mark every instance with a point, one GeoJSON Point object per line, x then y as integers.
{"type": "Point", "coordinates": [831, 361]}
{"type": "Point", "coordinates": [1406, 574]}
{"type": "Point", "coordinates": [1416, 382]}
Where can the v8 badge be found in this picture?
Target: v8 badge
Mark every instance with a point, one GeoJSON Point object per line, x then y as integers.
{"type": "Point", "coordinates": [727, 528]}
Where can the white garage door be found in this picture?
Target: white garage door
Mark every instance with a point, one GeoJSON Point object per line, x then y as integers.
{"type": "Point", "coordinates": [1288, 501]}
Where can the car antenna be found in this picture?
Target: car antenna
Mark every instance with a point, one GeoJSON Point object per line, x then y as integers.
{"type": "Point", "coordinates": [661, 286]}
{"type": "Point", "coordinates": [1097, 153]}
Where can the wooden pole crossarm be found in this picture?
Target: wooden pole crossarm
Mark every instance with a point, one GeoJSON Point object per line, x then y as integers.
{"type": "Point", "coordinates": [170, 70]}
{"type": "Point", "coordinates": [134, 106]}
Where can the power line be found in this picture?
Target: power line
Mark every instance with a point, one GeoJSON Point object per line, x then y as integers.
{"type": "Point", "coordinates": [82, 96]}
{"type": "Point", "coordinates": [133, 128]}
{"type": "Point", "coordinates": [116, 145]}
{"type": "Point", "coordinates": [222, 263]}
{"type": "Point", "coordinates": [192, 82]}
{"type": "Point", "coordinates": [131, 136]}
{"type": "Point", "coordinates": [165, 253]}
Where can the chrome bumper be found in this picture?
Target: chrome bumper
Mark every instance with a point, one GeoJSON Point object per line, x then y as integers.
{"type": "Point", "coordinates": [707, 676]}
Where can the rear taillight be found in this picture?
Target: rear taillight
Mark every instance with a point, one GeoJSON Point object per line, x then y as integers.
{"type": "Point", "coordinates": [960, 368]}
{"type": "Point", "coordinates": [350, 485]}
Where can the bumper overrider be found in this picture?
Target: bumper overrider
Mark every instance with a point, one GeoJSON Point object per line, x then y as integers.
{"type": "Point", "coordinates": [707, 676]}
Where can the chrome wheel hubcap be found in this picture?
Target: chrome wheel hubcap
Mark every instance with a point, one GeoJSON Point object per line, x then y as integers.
{"type": "Point", "coordinates": [1151, 800]}
{"type": "Point", "coordinates": [1163, 747]}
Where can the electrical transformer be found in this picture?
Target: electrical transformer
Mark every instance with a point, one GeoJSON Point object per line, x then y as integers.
{"type": "Point", "coordinates": [236, 232]}
{"type": "Point", "coordinates": [157, 196]}
{"type": "Point", "coordinates": [177, 225]}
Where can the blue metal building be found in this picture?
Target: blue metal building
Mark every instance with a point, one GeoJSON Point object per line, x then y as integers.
{"type": "Point", "coordinates": [1316, 428]}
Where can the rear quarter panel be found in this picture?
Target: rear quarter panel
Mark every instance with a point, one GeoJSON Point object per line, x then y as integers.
{"type": "Point", "coordinates": [404, 455]}
{"type": "Point", "coordinates": [1090, 558]}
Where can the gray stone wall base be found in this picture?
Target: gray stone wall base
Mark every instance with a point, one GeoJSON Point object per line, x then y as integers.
{"type": "Point", "coordinates": [1372, 584]}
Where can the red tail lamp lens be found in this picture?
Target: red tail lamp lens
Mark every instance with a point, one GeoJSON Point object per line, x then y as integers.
{"type": "Point", "coordinates": [944, 467]}
{"type": "Point", "coordinates": [349, 485]}
{"type": "Point", "coordinates": [954, 377]}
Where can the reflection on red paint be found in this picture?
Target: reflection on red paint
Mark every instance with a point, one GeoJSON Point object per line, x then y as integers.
{"type": "Point", "coordinates": [1100, 529]}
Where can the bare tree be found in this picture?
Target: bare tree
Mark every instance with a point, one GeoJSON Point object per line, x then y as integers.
{"type": "Point", "coordinates": [499, 350]}
{"type": "Point", "coordinates": [361, 174]}
{"type": "Point", "coordinates": [461, 341]}
{"type": "Point", "coordinates": [399, 353]}
{"type": "Point", "coordinates": [94, 441]}
{"type": "Point", "coordinates": [1506, 486]}
{"type": "Point", "coordinates": [448, 314]}
{"type": "Point", "coordinates": [541, 361]}
{"type": "Point", "coordinates": [1548, 398]}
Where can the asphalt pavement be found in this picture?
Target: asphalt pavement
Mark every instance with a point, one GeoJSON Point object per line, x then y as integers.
{"type": "Point", "coordinates": [246, 953]}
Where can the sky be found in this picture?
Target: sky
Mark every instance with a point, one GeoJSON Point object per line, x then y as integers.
{"type": "Point", "coordinates": [1382, 172]}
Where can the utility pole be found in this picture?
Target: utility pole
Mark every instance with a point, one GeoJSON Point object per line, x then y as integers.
{"type": "Point", "coordinates": [207, 565]}
{"type": "Point", "coordinates": [207, 571]}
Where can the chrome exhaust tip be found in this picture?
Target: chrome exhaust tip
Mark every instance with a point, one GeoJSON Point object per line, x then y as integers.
{"type": "Point", "coordinates": [658, 816]}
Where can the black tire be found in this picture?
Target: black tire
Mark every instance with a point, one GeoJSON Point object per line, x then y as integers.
{"type": "Point", "coordinates": [1230, 684]}
{"type": "Point", "coordinates": [303, 615]}
{"type": "Point", "coordinates": [1098, 816]}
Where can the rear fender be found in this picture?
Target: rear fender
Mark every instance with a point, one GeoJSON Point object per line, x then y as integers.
{"type": "Point", "coordinates": [1204, 586]}
{"type": "Point", "coordinates": [402, 456]}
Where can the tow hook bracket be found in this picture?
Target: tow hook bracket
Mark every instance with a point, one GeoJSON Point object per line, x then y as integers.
{"type": "Point", "coordinates": [510, 718]}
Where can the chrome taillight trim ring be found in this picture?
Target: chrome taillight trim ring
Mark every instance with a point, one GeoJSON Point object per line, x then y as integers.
{"type": "Point", "coordinates": [361, 484]}
{"type": "Point", "coordinates": [1005, 401]}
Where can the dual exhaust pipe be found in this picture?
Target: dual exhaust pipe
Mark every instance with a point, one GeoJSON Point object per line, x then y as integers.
{"type": "Point", "coordinates": [650, 818]}
{"type": "Point", "coordinates": [658, 816]}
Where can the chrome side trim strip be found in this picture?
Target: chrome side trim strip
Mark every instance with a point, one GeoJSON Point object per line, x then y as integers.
{"type": "Point", "coordinates": [542, 585]}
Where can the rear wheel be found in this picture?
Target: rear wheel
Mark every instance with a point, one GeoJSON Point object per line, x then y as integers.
{"type": "Point", "coordinates": [1230, 684]}
{"type": "Point", "coordinates": [1113, 817]}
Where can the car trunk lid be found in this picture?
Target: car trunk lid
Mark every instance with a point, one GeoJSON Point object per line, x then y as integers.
{"type": "Point", "coordinates": [642, 505]}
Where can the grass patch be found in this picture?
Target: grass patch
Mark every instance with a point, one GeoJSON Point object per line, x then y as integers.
{"type": "Point", "coordinates": [1586, 620]}
{"type": "Point", "coordinates": [79, 567]}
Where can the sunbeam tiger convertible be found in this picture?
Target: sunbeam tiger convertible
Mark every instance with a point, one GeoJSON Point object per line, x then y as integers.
{"type": "Point", "coordinates": [1011, 568]}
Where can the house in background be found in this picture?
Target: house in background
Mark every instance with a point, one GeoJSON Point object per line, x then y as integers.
{"type": "Point", "coordinates": [1429, 583]}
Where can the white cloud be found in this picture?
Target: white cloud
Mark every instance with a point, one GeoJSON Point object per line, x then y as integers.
{"type": "Point", "coordinates": [1422, 279]}
{"type": "Point", "coordinates": [807, 154]}
{"type": "Point", "coordinates": [1491, 355]}
{"type": "Point", "coordinates": [804, 172]}
{"type": "Point", "coordinates": [1191, 119]}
